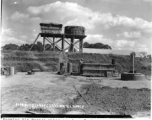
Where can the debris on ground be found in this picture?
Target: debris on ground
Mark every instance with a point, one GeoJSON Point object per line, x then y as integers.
{"type": "Point", "coordinates": [30, 73]}
{"type": "Point", "coordinates": [38, 111]}
{"type": "Point", "coordinates": [120, 101]}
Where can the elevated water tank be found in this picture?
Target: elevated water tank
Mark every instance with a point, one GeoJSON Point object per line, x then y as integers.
{"type": "Point", "coordinates": [74, 30]}
{"type": "Point", "coordinates": [52, 28]}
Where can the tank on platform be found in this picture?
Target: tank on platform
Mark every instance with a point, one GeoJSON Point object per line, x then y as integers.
{"type": "Point", "coordinates": [74, 30]}
{"type": "Point", "coordinates": [52, 28]}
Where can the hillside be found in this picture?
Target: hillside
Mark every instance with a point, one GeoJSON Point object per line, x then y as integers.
{"type": "Point", "coordinates": [27, 60]}
{"type": "Point", "coordinates": [48, 61]}
{"type": "Point", "coordinates": [142, 65]}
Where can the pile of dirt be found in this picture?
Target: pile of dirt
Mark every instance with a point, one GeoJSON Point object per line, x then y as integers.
{"type": "Point", "coordinates": [120, 101]}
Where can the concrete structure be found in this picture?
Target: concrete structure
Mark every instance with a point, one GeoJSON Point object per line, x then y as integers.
{"type": "Point", "coordinates": [51, 32]}
{"type": "Point", "coordinates": [132, 75]}
{"type": "Point", "coordinates": [98, 69]}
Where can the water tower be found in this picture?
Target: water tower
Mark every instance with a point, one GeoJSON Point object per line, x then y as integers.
{"type": "Point", "coordinates": [51, 32]}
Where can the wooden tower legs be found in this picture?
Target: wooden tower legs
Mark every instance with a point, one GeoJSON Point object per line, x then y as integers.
{"type": "Point", "coordinates": [53, 42]}
{"type": "Point", "coordinates": [43, 43]}
{"type": "Point", "coordinates": [81, 45]}
{"type": "Point", "coordinates": [62, 46]}
{"type": "Point", "coordinates": [71, 45]}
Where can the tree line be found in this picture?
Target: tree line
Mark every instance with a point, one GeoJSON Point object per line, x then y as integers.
{"type": "Point", "coordinates": [96, 45]}
{"type": "Point", "coordinates": [26, 47]}
{"type": "Point", "coordinates": [39, 46]}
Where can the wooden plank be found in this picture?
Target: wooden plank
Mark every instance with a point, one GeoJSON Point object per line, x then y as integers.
{"type": "Point", "coordinates": [76, 42]}
{"type": "Point", "coordinates": [52, 43]}
{"type": "Point", "coordinates": [62, 42]}
{"type": "Point", "coordinates": [57, 41]}
{"type": "Point", "coordinates": [69, 44]}
{"type": "Point", "coordinates": [81, 45]}
{"type": "Point", "coordinates": [34, 42]}
{"type": "Point", "coordinates": [67, 41]}
{"type": "Point", "coordinates": [43, 43]}
{"type": "Point", "coordinates": [60, 35]}
{"type": "Point", "coordinates": [72, 48]}
{"type": "Point", "coordinates": [66, 48]}
{"type": "Point", "coordinates": [75, 48]}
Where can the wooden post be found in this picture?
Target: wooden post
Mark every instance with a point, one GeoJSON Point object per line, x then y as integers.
{"type": "Point", "coordinates": [63, 42]}
{"type": "Point", "coordinates": [81, 45]}
{"type": "Point", "coordinates": [43, 43]}
{"type": "Point", "coordinates": [53, 43]}
{"type": "Point", "coordinates": [133, 63]}
{"type": "Point", "coordinates": [72, 47]}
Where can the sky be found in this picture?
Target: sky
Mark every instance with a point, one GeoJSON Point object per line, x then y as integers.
{"type": "Point", "coordinates": [122, 24]}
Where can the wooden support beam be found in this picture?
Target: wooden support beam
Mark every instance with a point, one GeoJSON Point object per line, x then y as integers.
{"type": "Point", "coordinates": [71, 45]}
{"type": "Point", "coordinates": [67, 41]}
{"type": "Point", "coordinates": [66, 48]}
{"type": "Point", "coordinates": [63, 43]}
{"type": "Point", "coordinates": [49, 41]}
{"type": "Point", "coordinates": [48, 47]}
{"type": "Point", "coordinates": [53, 43]}
{"type": "Point", "coordinates": [76, 42]}
{"type": "Point", "coordinates": [81, 45]}
{"type": "Point", "coordinates": [43, 43]}
{"type": "Point", "coordinates": [34, 42]}
{"type": "Point", "coordinates": [57, 41]}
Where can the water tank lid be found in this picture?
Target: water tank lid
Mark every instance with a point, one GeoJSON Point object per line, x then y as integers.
{"type": "Point", "coordinates": [73, 26]}
{"type": "Point", "coordinates": [51, 24]}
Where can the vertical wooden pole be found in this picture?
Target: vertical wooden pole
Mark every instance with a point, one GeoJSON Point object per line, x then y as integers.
{"type": "Point", "coordinates": [43, 43]}
{"type": "Point", "coordinates": [72, 47]}
{"type": "Point", "coordinates": [53, 43]}
{"type": "Point", "coordinates": [63, 37]}
{"type": "Point", "coordinates": [81, 45]}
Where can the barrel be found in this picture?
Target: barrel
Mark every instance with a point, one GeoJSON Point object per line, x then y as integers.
{"type": "Point", "coordinates": [69, 67]}
{"type": "Point", "coordinates": [11, 71]}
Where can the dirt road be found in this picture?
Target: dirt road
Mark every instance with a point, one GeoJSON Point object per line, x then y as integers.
{"type": "Point", "coordinates": [21, 91]}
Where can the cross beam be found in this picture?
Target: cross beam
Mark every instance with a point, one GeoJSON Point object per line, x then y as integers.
{"type": "Point", "coordinates": [52, 43]}
{"type": "Point", "coordinates": [62, 39]}
{"type": "Point", "coordinates": [71, 43]}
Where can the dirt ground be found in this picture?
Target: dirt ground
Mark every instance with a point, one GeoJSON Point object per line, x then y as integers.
{"type": "Point", "coordinates": [21, 92]}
